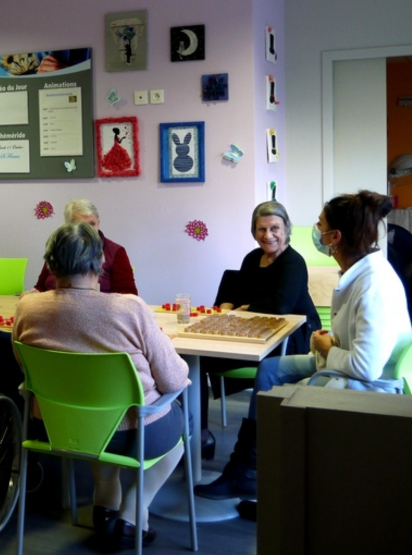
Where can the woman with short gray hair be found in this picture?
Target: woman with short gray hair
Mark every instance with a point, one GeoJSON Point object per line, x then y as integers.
{"type": "Point", "coordinates": [117, 275]}
{"type": "Point", "coordinates": [76, 317]}
{"type": "Point", "coordinates": [273, 279]}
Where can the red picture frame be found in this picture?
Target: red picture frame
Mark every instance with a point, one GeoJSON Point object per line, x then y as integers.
{"type": "Point", "coordinates": [117, 147]}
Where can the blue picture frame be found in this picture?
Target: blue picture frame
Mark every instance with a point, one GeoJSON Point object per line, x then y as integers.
{"type": "Point", "coordinates": [182, 152]}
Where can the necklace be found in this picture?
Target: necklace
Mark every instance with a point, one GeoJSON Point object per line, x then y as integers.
{"type": "Point", "coordinates": [83, 288]}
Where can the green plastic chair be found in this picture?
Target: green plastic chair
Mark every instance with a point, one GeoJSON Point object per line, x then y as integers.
{"type": "Point", "coordinates": [12, 273]}
{"type": "Point", "coordinates": [249, 372]}
{"type": "Point", "coordinates": [403, 368]}
{"type": "Point", "coordinates": [400, 360]}
{"type": "Point", "coordinates": [325, 317]}
{"type": "Point", "coordinates": [301, 241]}
{"type": "Point", "coordinates": [238, 373]}
{"type": "Point", "coordinates": [82, 399]}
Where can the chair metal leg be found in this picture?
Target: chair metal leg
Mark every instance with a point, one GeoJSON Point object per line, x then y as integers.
{"type": "Point", "coordinates": [69, 497]}
{"type": "Point", "coordinates": [72, 490]}
{"type": "Point", "coordinates": [22, 502]}
{"type": "Point", "coordinates": [189, 475]}
{"type": "Point", "coordinates": [139, 486]}
{"type": "Point", "coordinates": [223, 401]}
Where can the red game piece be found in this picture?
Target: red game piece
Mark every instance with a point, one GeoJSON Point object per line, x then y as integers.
{"type": "Point", "coordinates": [209, 311]}
{"type": "Point", "coordinates": [218, 309]}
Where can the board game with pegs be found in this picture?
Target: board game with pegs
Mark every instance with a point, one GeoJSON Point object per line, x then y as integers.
{"type": "Point", "coordinates": [194, 311]}
{"type": "Point", "coordinates": [6, 322]}
{"type": "Point", "coordinates": [230, 327]}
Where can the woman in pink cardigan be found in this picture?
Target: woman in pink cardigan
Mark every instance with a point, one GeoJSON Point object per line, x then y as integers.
{"type": "Point", "coordinates": [76, 317]}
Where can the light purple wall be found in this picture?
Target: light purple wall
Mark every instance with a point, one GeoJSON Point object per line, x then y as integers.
{"type": "Point", "coordinates": [269, 13]}
{"type": "Point", "coordinates": [144, 215]}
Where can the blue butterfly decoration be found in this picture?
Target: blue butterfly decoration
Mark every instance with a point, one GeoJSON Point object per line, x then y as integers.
{"type": "Point", "coordinates": [70, 166]}
{"type": "Point", "coordinates": [112, 97]}
{"type": "Point", "coordinates": [234, 154]}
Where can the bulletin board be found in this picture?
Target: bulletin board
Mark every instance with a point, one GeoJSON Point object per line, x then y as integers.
{"type": "Point", "coordinates": [46, 115]}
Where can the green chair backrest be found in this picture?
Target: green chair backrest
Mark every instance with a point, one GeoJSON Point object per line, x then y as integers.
{"type": "Point", "coordinates": [403, 368]}
{"type": "Point", "coordinates": [324, 313]}
{"type": "Point", "coordinates": [301, 241]}
{"type": "Point", "coordinates": [12, 273]}
{"type": "Point", "coordinates": [82, 396]}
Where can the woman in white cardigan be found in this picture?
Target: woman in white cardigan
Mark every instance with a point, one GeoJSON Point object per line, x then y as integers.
{"type": "Point", "coordinates": [370, 327]}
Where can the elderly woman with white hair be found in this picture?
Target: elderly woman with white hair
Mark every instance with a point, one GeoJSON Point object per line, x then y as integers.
{"type": "Point", "coordinates": [117, 274]}
{"type": "Point", "coordinates": [64, 319]}
{"type": "Point", "coordinates": [273, 279]}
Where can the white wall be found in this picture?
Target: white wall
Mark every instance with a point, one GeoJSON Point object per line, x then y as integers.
{"type": "Point", "coordinates": [146, 216]}
{"type": "Point", "coordinates": [360, 146]}
{"type": "Point", "coordinates": [311, 28]}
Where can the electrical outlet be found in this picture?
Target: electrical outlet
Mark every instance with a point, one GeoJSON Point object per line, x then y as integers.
{"type": "Point", "coordinates": [157, 96]}
{"type": "Point", "coordinates": [141, 97]}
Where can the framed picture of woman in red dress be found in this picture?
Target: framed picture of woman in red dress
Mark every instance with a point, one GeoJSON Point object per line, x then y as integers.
{"type": "Point", "coordinates": [117, 147]}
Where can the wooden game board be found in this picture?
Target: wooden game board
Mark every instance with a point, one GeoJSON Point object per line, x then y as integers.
{"type": "Point", "coordinates": [257, 329]}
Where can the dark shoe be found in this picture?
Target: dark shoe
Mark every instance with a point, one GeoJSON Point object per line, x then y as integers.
{"type": "Point", "coordinates": [124, 534]}
{"type": "Point", "coordinates": [228, 486]}
{"type": "Point", "coordinates": [239, 475]}
{"type": "Point", "coordinates": [247, 510]}
{"type": "Point", "coordinates": [104, 520]}
{"type": "Point", "coordinates": [209, 447]}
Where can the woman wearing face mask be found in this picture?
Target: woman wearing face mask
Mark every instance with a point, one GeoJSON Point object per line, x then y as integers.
{"type": "Point", "coordinates": [370, 326]}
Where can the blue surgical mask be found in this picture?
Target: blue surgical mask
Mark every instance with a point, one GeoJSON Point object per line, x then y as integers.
{"type": "Point", "coordinates": [317, 240]}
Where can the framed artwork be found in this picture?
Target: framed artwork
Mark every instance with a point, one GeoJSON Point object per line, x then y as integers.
{"type": "Point", "coordinates": [187, 43]}
{"type": "Point", "coordinates": [117, 147]}
{"type": "Point", "coordinates": [215, 87]}
{"type": "Point", "coordinates": [271, 54]}
{"type": "Point", "coordinates": [126, 41]}
{"type": "Point", "coordinates": [182, 152]}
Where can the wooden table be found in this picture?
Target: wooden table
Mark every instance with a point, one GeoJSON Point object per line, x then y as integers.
{"type": "Point", "coordinates": [191, 350]}
{"type": "Point", "coordinates": [8, 305]}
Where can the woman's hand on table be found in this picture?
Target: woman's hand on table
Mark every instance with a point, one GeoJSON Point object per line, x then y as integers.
{"type": "Point", "coordinates": [244, 307]}
{"type": "Point", "coordinates": [227, 306]}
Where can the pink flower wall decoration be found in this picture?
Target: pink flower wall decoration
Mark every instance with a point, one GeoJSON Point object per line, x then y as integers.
{"type": "Point", "coordinates": [44, 210]}
{"type": "Point", "coordinates": [197, 229]}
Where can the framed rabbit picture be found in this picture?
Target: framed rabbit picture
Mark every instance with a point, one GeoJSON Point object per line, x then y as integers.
{"type": "Point", "coordinates": [182, 152]}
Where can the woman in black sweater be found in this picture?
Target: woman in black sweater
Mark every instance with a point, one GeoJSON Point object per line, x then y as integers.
{"type": "Point", "coordinates": [273, 279]}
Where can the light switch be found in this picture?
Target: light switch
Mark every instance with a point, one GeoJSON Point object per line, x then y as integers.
{"type": "Point", "coordinates": [157, 96]}
{"type": "Point", "coordinates": [141, 97]}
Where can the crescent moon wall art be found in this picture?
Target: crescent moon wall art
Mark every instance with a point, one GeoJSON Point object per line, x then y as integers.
{"type": "Point", "coordinates": [187, 43]}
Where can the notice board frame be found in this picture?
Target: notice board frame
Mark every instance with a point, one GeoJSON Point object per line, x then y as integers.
{"type": "Point", "coordinates": [42, 77]}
